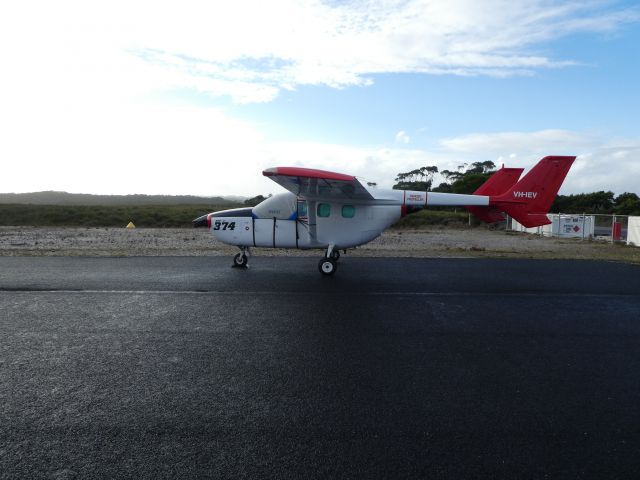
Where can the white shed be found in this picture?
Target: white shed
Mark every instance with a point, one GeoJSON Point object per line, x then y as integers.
{"type": "Point", "coordinates": [633, 231]}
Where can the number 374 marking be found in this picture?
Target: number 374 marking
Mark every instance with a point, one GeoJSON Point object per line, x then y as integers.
{"type": "Point", "coordinates": [222, 225]}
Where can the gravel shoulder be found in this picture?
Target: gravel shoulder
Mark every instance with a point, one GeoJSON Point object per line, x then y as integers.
{"type": "Point", "coordinates": [427, 242]}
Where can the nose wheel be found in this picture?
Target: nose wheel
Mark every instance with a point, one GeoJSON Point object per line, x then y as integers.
{"type": "Point", "coordinates": [241, 260]}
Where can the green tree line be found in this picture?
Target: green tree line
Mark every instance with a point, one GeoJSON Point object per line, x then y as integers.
{"type": "Point", "coordinates": [598, 202]}
{"type": "Point", "coordinates": [65, 198]}
{"type": "Point", "coordinates": [103, 216]}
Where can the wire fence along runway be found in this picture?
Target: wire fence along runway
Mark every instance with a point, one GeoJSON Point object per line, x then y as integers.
{"type": "Point", "coordinates": [184, 367]}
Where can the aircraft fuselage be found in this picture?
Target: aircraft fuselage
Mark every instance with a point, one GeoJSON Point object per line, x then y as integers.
{"type": "Point", "coordinates": [286, 221]}
{"type": "Point", "coordinates": [334, 211]}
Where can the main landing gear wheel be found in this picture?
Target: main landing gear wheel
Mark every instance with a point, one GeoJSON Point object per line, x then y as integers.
{"type": "Point", "coordinates": [240, 261]}
{"type": "Point", "coordinates": [327, 266]}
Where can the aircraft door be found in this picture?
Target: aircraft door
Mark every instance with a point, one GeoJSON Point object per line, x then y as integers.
{"type": "Point", "coordinates": [285, 233]}
{"type": "Point", "coordinates": [275, 221]}
{"type": "Point", "coordinates": [303, 231]}
{"type": "Point", "coordinates": [274, 232]}
{"type": "Point", "coordinates": [263, 232]}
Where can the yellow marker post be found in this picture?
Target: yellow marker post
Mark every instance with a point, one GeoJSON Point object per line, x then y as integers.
{"type": "Point", "coordinates": [130, 225]}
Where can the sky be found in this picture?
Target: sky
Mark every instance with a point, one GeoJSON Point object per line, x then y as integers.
{"type": "Point", "coordinates": [198, 97]}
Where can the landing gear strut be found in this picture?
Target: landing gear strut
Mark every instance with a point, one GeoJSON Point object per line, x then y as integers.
{"type": "Point", "coordinates": [240, 260]}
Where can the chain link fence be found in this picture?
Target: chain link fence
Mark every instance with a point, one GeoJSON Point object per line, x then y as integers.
{"type": "Point", "coordinates": [608, 228]}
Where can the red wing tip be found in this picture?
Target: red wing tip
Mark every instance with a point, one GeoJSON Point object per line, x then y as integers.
{"type": "Point", "coordinates": [307, 172]}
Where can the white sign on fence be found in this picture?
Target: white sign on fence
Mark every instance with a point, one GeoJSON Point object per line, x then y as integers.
{"type": "Point", "coordinates": [572, 226]}
{"type": "Point", "coordinates": [633, 231]}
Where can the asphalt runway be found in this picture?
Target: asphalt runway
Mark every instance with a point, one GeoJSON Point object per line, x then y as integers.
{"type": "Point", "coordinates": [394, 368]}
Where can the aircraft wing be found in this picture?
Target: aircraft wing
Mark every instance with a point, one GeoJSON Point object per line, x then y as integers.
{"type": "Point", "coordinates": [318, 184]}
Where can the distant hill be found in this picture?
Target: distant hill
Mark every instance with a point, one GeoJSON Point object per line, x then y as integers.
{"type": "Point", "coordinates": [64, 198]}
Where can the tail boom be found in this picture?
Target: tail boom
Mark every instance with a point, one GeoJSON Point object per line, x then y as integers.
{"type": "Point", "coordinates": [527, 200]}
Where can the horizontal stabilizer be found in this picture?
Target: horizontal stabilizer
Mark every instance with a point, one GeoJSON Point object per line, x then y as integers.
{"type": "Point", "coordinates": [486, 214]}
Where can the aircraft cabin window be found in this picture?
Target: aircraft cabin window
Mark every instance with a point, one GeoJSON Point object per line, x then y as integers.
{"type": "Point", "coordinates": [324, 209]}
{"type": "Point", "coordinates": [302, 209]}
{"type": "Point", "coordinates": [348, 211]}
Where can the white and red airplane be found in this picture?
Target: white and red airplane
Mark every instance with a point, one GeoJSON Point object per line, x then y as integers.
{"type": "Point", "coordinates": [333, 212]}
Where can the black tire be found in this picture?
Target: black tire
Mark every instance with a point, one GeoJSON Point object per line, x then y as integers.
{"type": "Point", "coordinates": [240, 260]}
{"type": "Point", "coordinates": [327, 266]}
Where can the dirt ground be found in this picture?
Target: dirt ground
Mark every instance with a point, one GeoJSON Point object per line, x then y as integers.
{"type": "Point", "coordinates": [428, 242]}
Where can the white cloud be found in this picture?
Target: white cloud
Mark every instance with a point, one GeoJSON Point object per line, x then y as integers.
{"type": "Point", "coordinates": [602, 163]}
{"type": "Point", "coordinates": [83, 105]}
{"type": "Point", "coordinates": [286, 43]}
{"type": "Point", "coordinates": [402, 137]}
{"type": "Point", "coordinates": [505, 143]}
{"type": "Point", "coordinates": [250, 50]}
{"type": "Point", "coordinates": [176, 149]}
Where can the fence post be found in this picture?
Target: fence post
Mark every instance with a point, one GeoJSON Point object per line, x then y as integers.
{"type": "Point", "coordinates": [584, 221]}
{"type": "Point", "coordinates": [613, 225]}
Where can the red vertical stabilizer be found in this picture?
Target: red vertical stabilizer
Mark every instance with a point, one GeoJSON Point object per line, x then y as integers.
{"type": "Point", "coordinates": [529, 200]}
{"type": "Point", "coordinates": [497, 184]}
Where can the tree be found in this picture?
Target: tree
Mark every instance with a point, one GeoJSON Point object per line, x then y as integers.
{"type": "Point", "coordinates": [253, 201]}
{"type": "Point", "coordinates": [419, 179]}
{"type": "Point", "coordinates": [462, 181]}
{"type": "Point", "coordinates": [450, 176]}
{"type": "Point", "coordinates": [627, 204]}
{"type": "Point", "coordinates": [470, 180]}
{"type": "Point", "coordinates": [481, 167]}
{"type": "Point", "coordinates": [595, 202]}
{"type": "Point", "coordinates": [469, 183]}
{"type": "Point", "coordinates": [444, 187]}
